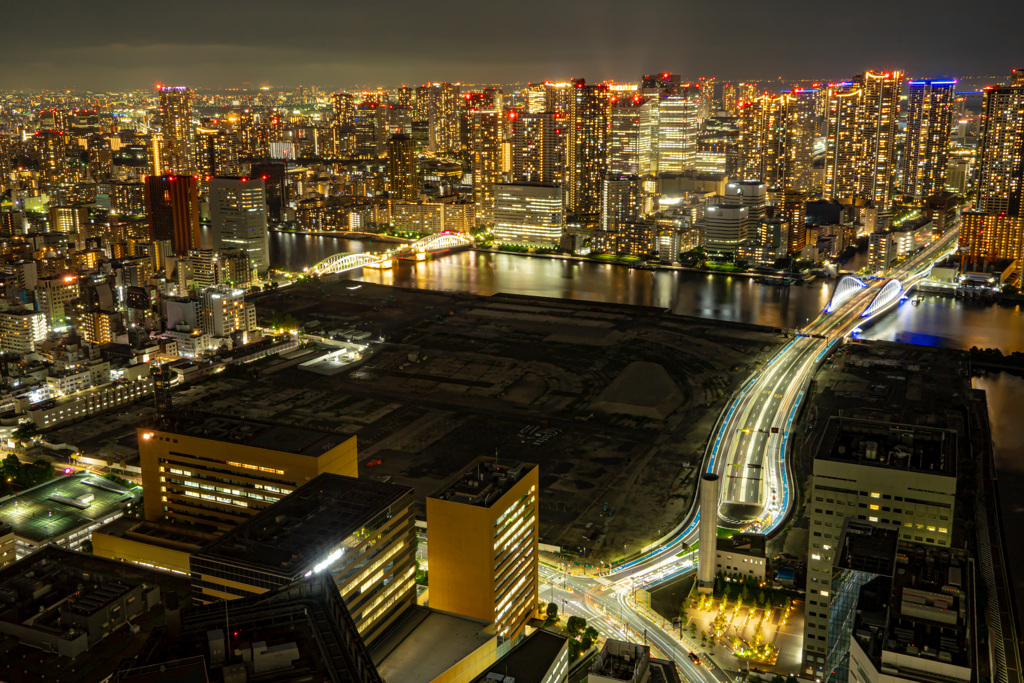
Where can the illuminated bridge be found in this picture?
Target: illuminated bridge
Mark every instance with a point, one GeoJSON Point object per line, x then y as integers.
{"type": "Point", "coordinates": [891, 292]}
{"type": "Point", "coordinates": [339, 263]}
{"type": "Point", "coordinates": [846, 288]}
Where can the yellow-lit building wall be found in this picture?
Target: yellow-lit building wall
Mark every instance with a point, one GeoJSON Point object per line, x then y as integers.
{"type": "Point", "coordinates": [139, 552]}
{"type": "Point", "coordinates": [255, 472]}
{"type": "Point", "coordinates": [461, 555]}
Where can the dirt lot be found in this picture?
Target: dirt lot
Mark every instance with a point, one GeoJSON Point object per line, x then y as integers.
{"type": "Point", "coordinates": [459, 376]}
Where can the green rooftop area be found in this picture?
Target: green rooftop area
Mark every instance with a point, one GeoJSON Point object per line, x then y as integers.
{"type": "Point", "coordinates": [59, 506]}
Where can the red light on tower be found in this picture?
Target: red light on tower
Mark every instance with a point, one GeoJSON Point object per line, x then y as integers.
{"type": "Point", "coordinates": [245, 180]}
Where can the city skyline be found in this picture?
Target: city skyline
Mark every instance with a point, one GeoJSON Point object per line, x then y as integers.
{"type": "Point", "coordinates": [211, 46]}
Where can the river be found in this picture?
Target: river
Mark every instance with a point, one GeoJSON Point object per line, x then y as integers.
{"type": "Point", "coordinates": [1005, 395]}
{"type": "Point", "coordinates": [936, 321]}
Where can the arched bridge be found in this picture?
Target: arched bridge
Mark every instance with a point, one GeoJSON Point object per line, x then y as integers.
{"type": "Point", "coordinates": [846, 288]}
{"type": "Point", "coordinates": [339, 263]}
{"type": "Point", "coordinates": [891, 292]}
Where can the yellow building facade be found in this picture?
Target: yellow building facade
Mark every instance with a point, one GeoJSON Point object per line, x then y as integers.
{"type": "Point", "coordinates": [482, 537]}
{"type": "Point", "coordinates": [215, 472]}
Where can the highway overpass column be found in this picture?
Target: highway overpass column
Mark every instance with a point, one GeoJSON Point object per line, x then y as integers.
{"type": "Point", "coordinates": [708, 536]}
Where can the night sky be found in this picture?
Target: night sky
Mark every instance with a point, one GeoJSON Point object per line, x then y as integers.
{"type": "Point", "coordinates": [100, 45]}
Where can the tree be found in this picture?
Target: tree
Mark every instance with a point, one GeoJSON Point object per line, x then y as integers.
{"type": "Point", "coordinates": [693, 629]}
{"type": "Point", "coordinates": [586, 643]}
{"type": "Point", "coordinates": [283, 321]}
{"type": "Point", "coordinates": [591, 633]}
{"type": "Point", "coordinates": [552, 612]}
{"type": "Point", "coordinates": [25, 432]}
{"type": "Point", "coordinates": [574, 649]}
{"type": "Point", "coordinates": [778, 679]}
{"type": "Point", "coordinates": [792, 679]}
{"type": "Point", "coordinates": [574, 627]}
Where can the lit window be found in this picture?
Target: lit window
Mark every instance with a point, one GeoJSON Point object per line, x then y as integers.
{"type": "Point", "coordinates": [872, 519]}
{"type": "Point", "coordinates": [815, 557]}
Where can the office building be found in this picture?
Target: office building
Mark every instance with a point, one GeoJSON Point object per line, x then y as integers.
{"type": "Point", "coordinates": [725, 229]}
{"type": "Point", "coordinates": [371, 129]}
{"type": "Point", "coordinates": [624, 662]}
{"type": "Point", "coordinates": [860, 145]}
{"type": "Point", "coordinates": [357, 531]}
{"type": "Point", "coordinates": [20, 331]}
{"type": "Point", "coordinates": [742, 554]}
{"type": "Point", "coordinates": [225, 312]}
{"type": "Point", "coordinates": [70, 616]}
{"type": "Point", "coordinates": [528, 213]}
{"type": "Point", "coordinates": [624, 136]}
{"type": "Point", "coordinates": [64, 511]}
{"type": "Point", "coordinates": [403, 181]}
{"type": "Point", "coordinates": [482, 544]}
{"type": "Point", "coordinates": [542, 657]}
{"type": "Point", "coordinates": [589, 116]}
{"type": "Point", "coordinates": [54, 297]}
{"type": "Point", "coordinates": [538, 147]}
{"type": "Point", "coordinates": [178, 153]}
{"type": "Point", "coordinates": [485, 160]}
{"type": "Point", "coordinates": [69, 219]}
{"type": "Point", "coordinates": [298, 632]}
{"type": "Point", "coordinates": [897, 474]}
{"type": "Point", "coordinates": [679, 117]}
{"type": "Point", "coordinates": [917, 624]}
{"type": "Point", "coordinates": [729, 99]}
{"type": "Point", "coordinates": [238, 218]}
{"type": "Point", "coordinates": [216, 471]}
{"type": "Point", "coordinates": [926, 152]}
{"type": "Point", "coordinates": [172, 206]}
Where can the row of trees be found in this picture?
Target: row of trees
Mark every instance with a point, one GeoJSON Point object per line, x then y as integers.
{"type": "Point", "coordinates": [739, 588]}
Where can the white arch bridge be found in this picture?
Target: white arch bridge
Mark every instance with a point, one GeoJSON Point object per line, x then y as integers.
{"type": "Point", "coordinates": [339, 263]}
{"type": "Point", "coordinates": [847, 287]}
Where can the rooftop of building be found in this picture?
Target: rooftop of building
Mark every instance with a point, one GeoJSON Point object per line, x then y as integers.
{"type": "Point", "coordinates": [165, 534]}
{"type": "Point", "coordinates": [923, 611]}
{"type": "Point", "coordinates": [867, 547]}
{"type": "Point", "coordinates": [54, 580]}
{"type": "Point", "coordinates": [622, 661]}
{"type": "Point", "coordinates": [483, 481]}
{"type": "Point", "coordinates": [529, 661]}
{"type": "Point", "coordinates": [906, 447]}
{"type": "Point", "coordinates": [426, 643]}
{"type": "Point", "coordinates": [291, 536]}
{"type": "Point", "coordinates": [268, 435]}
{"type": "Point", "coordinates": [747, 544]}
{"type": "Point", "coordinates": [60, 506]}
{"type": "Point", "coordinates": [301, 632]}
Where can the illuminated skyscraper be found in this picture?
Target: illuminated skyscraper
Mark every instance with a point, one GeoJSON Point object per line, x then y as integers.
{"type": "Point", "coordinates": [344, 110]}
{"type": "Point", "coordinates": [620, 200]}
{"type": "Point", "coordinates": [371, 129]}
{"type": "Point", "coordinates": [179, 133]}
{"type": "Point", "coordinates": [52, 146]}
{"type": "Point", "coordinates": [776, 140]}
{"type": "Point", "coordinates": [1001, 161]}
{"type": "Point", "coordinates": [861, 142]}
{"type": "Point", "coordinates": [729, 99]}
{"type": "Point", "coordinates": [679, 117]}
{"type": "Point", "coordinates": [485, 151]}
{"type": "Point", "coordinates": [589, 117]}
{"type": "Point", "coordinates": [996, 229]}
{"type": "Point", "coordinates": [238, 217]}
{"type": "Point", "coordinates": [624, 136]}
{"type": "Point", "coordinates": [172, 205]}
{"type": "Point", "coordinates": [538, 147]}
{"type": "Point", "coordinates": [404, 184]}
{"type": "Point", "coordinates": [440, 103]}
{"type": "Point", "coordinates": [926, 153]}
{"type": "Point", "coordinates": [746, 91]}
